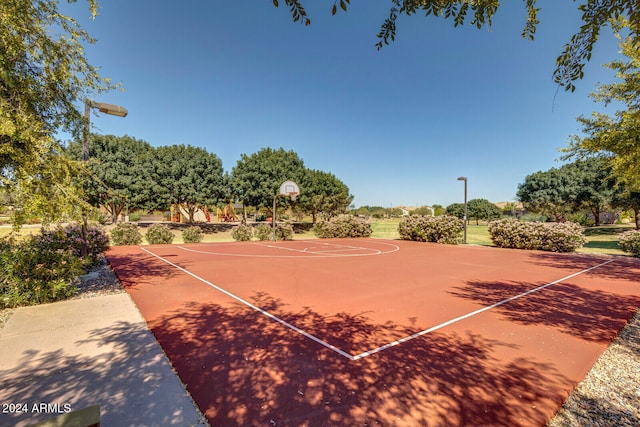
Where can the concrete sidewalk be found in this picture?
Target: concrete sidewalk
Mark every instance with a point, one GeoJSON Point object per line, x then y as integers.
{"type": "Point", "coordinates": [73, 354]}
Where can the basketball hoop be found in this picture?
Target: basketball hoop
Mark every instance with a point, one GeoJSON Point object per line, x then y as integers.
{"type": "Point", "coordinates": [287, 188]}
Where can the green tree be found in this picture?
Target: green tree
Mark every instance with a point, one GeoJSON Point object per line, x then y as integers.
{"type": "Point", "coordinates": [597, 188]}
{"type": "Point", "coordinates": [424, 210]}
{"type": "Point", "coordinates": [119, 174]}
{"type": "Point", "coordinates": [479, 13]}
{"type": "Point", "coordinates": [584, 184]}
{"type": "Point", "coordinates": [323, 195]}
{"type": "Point", "coordinates": [189, 176]}
{"type": "Point", "coordinates": [552, 193]}
{"type": "Point", "coordinates": [256, 178]}
{"type": "Point", "coordinates": [615, 138]}
{"type": "Point", "coordinates": [456, 209]}
{"type": "Point", "coordinates": [629, 200]}
{"type": "Point", "coordinates": [482, 209]}
{"type": "Point", "coordinates": [44, 76]}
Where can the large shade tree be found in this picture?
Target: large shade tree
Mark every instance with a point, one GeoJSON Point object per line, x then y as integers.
{"type": "Point", "coordinates": [323, 194]}
{"type": "Point", "coordinates": [256, 178]}
{"type": "Point", "coordinates": [616, 138]}
{"type": "Point", "coordinates": [119, 173]}
{"type": "Point", "coordinates": [596, 14]}
{"type": "Point", "coordinates": [44, 76]}
{"type": "Point", "coordinates": [581, 185]}
{"type": "Point", "coordinates": [188, 176]}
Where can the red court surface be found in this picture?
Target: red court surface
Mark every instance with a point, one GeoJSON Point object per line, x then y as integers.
{"type": "Point", "coordinates": [378, 332]}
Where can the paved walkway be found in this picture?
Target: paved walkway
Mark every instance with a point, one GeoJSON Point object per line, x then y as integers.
{"type": "Point", "coordinates": [73, 354]}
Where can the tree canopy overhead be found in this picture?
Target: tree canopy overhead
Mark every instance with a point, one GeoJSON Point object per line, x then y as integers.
{"type": "Point", "coordinates": [596, 14]}
{"type": "Point", "coordinates": [44, 76]}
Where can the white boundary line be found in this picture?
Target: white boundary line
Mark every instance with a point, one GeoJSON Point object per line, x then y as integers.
{"type": "Point", "coordinates": [391, 344]}
{"type": "Point", "coordinates": [319, 254]}
{"type": "Point", "coordinates": [473, 313]}
{"type": "Point", "coordinates": [258, 309]}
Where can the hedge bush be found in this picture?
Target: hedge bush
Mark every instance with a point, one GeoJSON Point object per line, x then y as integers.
{"type": "Point", "coordinates": [552, 237]}
{"type": "Point", "coordinates": [36, 271]}
{"type": "Point", "coordinates": [263, 232]}
{"type": "Point", "coordinates": [445, 229]}
{"type": "Point", "coordinates": [343, 226]}
{"type": "Point", "coordinates": [69, 238]}
{"type": "Point", "coordinates": [125, 234]}
{"type": "Point", "coordinates": [192, 235]}
{"type": "Point", "coordinates": [630, 242]}
{"type": "Point", "coordinates": [159, 234]}
{"type": "Point", "coordinates": [284, 231]}
{"type": "Point", "coordinates": [242, 233]}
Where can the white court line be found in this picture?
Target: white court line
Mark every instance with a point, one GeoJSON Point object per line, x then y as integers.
{"type": "Point", "coordinates": [258, 309]}
{"type": "Point", "coordinates": [473, 313]}
{"type": "Point", "coordinates": [391, 344]}
{"type": "Point", "coordinates": [321, 254]}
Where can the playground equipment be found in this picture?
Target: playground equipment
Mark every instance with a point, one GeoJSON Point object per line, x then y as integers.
{"type": "Point", "coordinates": [228, 212]}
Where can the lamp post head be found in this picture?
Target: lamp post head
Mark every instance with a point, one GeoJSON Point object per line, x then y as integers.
{"type": "Point", "coordinates": [462, 178]}
{"type": "Point", "coordinates": [114, 110]}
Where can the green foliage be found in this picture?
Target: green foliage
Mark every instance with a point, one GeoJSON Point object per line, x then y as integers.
{"type": "Point", "coordinates": [242, 233]}
{"type": "Point", "coordinates": [284, 231]}
{"type": "Point", "coordinates": [120, 173]}
{"type": "Point", "coordinates": [343, 226]}
{"type": "Point", "coordinates": [323, 194]}
{"type": "Point", "coordinates": [159, 234]}
{"type": "Point", "coordinates": [44, 75]}
{"type": "Point", "coordinates": [36, 271]}
{"type": "Point", "coordinates": [569, 64]}
{"type": "Point", "coordinates": [455, 209]}
{"type": "Point", "coordinates": [482, 209]}
{"type": "Point", "coordinates": [616, 138]}
{"type": "Point", "coordinates": [445, 229]}
{"type": "Point", "coordinates": [256, 179]}
{"type": "Point", "coordinates": [553, 237]}
{"type": "Point", "coordinates": [125, 234]}
{"type": "Point", "coordinates": [630, 242]}
{"type": "Point", "coordinates": [189, 176]}
{"type": "Point", "coordinates": [70, 238]}
{"type": "Point", "coordinates": [192, 235]}
{"type": "Point", "coordinates": [263, 232]}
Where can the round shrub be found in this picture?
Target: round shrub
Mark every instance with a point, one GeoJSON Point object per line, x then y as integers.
{"type": "Point", "coordinates": [284, 231]}
{"type": "Point", "coordinates": [192, 235]}
{"type": "Point", "coordinates": [125, 234]}
{"type": "Point", "coordinates": [343, 226]}
{"type": "Point", "coordinates": [263, 232]}
{"type": "Point", "coordinates": [36, 271]}
{"type": "Point", "coordinates": [552, 237]}
{"type": "Point", "coordinates": [242, 233]}
{"type": "Point", "coordinates": [445, 229]}
{"type": "Point", "coordinates": [630, 242]}
{"type": "Point", "coordinates": [70, 238]}
{"type": "Point", "coordinates": [159, 234]}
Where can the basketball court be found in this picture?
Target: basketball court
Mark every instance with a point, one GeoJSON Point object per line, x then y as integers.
{"type": "Point", "coordinates": [377, 332]}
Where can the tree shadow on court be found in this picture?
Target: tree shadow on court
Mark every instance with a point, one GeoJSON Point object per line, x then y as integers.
{"type": "Point", "coordinates": [135, 268]}
{"type": "Point", "coordinates": [622, 268]}
{"type": "Point", "coordinates": [245, 369]}
{"type": "Point", "coordinates": [122, 372]}
{"type": "Point", "coordinates": [592, 315]}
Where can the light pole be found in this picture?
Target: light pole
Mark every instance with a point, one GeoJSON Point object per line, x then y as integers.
{"type": "Point", "coordinates": [464, 178]}
{"type": "Point", "coordinates": [114, 110]}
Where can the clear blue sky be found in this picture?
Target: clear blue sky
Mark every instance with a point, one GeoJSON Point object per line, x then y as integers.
{"type": "Point", "coordinates": [397, 126]}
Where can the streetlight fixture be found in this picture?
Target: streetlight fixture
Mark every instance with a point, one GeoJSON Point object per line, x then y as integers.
{"type": "Point", "coordinates": [464, 178]}
{"type": "Point", "coordinates": [114, 110]}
